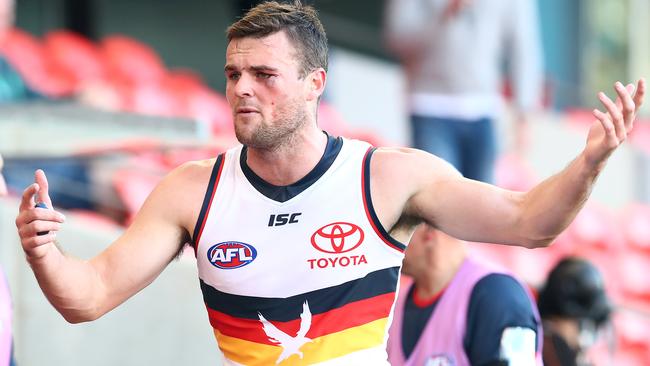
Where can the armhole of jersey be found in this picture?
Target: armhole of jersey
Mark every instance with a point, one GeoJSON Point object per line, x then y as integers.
{"type": "Point", "coordinates": [370, 210]}
{"type": "Point", "coordinates": [207, 201]}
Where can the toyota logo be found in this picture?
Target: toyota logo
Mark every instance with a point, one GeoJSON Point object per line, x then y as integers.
{"type": "Point", "coordinates": [338, 237]}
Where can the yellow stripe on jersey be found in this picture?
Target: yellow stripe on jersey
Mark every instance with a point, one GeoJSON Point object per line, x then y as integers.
{"type": "Point", "coordinates": [320, 349]}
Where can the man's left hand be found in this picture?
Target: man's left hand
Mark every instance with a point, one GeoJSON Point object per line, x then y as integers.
{"type": "Point", "coordinates": [611, 128]}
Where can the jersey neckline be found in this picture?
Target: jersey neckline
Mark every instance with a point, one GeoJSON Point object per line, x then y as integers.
{"type": "Point", "coordinates": [285, 193]}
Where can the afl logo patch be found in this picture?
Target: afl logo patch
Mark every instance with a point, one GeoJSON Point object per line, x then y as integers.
{"type": "Point", "coordinates": [338, 237]}
{"type": "Point", "coordinates": [231, 254]}
{"type": "Point", "coordinates": [440, 360]}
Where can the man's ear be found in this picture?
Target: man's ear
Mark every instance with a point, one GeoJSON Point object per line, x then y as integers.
{"type": "Point", "coordinates": [316, 85]}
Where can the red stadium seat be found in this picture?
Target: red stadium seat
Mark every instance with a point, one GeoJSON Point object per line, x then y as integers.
{"type": "Point", "coordinates": [210, 106]}
{"type": "Point", "coordinates": [133, 187]}
{"type": "Point", "coordinates": [26, 54]}
{"type": "Point", "coordinates": [75, 54]}
{"type": "Point", "coordinates": [202, 103]}
{"type": "Point", "coordinates": [633, 335]}
{"type": "Point", "coordinates": [155, 99]}
{"type": "Point", "coordinates": [632, 269]}
{"type": "Point", "coordinates": [595, 226]}
{"type": "Point", "coordinates": [132, 60]}
{"type": "Point", "coordinates": [635, 221]}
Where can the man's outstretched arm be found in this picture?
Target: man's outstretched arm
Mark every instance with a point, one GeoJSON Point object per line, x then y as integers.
{"type": "Point", "coordinates": [435, 193]}
{"type": "Point", "coordinates": [83, 290]}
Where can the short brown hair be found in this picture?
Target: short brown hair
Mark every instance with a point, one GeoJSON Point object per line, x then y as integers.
{"type": "Point", "coordinates": [301, 24]}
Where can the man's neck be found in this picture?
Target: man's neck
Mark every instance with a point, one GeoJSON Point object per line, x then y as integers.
{"type": "Point", "coordinates": [291, 161]}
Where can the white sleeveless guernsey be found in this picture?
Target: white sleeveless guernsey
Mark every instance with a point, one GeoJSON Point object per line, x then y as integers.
{"type": "Point", "coordinates": [308, 281]}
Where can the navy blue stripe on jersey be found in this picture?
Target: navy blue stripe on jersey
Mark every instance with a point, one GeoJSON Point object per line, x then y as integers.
{"type": "Point", "coordinates": [207, 199]}
{"type": "Point", "coordinates": [320, 301]}
{"type": "Point", "coordinates": [370, 210]}
{"type": "Point", "coordinates": [285, 193]}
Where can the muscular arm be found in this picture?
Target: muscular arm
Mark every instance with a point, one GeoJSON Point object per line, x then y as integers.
{"type": "Point", "coordinates": [477, 211]}
{"type": "Point", "coordinates": [83, 290]}
{"type": "Point", "coordinates": [411, 183]}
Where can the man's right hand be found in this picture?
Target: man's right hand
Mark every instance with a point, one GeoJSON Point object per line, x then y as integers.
{"type": "Point", "coordinates": [30, 220]}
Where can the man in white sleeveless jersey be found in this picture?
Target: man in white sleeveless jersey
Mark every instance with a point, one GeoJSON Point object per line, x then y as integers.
{"type": "Point", "coordinates": [311, 277]}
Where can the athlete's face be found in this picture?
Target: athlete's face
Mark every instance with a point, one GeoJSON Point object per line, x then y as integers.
{"type": "Point", "coordinates": [270, 101]}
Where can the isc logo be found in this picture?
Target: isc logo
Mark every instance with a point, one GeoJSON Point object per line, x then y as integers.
{"type": "Point", "coordinates": [231, 254]}
{"type": "Point", "coordinates": [283, 219]}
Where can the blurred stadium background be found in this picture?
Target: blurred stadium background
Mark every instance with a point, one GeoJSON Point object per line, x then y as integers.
{"type": "Point", "coordinates": [134, 88]}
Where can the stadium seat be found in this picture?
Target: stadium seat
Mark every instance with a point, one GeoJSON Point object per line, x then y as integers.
{"type": "Point", "coordinates": [26, 54]}
{"type": "Point", "coordinates": [635, 221]}
{"type": "Point", "coordinates": [77, 55]}
{"type": "Point", "coordinates": [595, 226]}
{"type": "Point", "coordinates": [633, 336]}
{"type": "Point", "coordinates": [131, 60]}
{"type": "Point", "coordinates": [133, 187]}
{"type": "Point", "coordinates": [209, 106]}
{"type": "Point", "coordinates": [632, 268]}
{"type": "Point", "coordinates": [200, 102]}
{"type": "Point", "coordinates": [153, 98]}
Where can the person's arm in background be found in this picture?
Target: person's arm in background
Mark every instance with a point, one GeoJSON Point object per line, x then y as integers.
{"type": "Point", "coordinates": [501, 323]}
{"type": "Point", "coordinates": [525, 62]}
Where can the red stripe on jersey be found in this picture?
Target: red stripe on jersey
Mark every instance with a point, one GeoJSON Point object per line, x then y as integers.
{"type": "Point", "coordinates": [336, 320]}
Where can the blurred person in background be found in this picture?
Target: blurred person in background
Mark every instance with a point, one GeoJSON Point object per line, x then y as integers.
{"type": "Point", "coordinates": [460, 311]}
{"type": "Point", "coordinates": [6, 341]}
{"type": "Point", "coordinates": [574, 306]}
{"type": "Point", "coordinates": [298, 233]}
{"type": "Point", "coordinates": [12, 84]}
{"type": "Point", "coordinates": [453, 53]}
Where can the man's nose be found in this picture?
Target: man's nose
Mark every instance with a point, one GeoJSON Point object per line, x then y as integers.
{"type": "Point", "coordinates": [244, 86]}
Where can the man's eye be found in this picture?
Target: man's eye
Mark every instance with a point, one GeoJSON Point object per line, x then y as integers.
{"type": "Point", "coordinates": [234, 76]}
{"type": "Point", "coordinates": [263, 75]}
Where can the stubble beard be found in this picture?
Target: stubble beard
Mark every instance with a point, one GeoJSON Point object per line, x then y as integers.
{"type": "Point", "coordinates": [279, 134]}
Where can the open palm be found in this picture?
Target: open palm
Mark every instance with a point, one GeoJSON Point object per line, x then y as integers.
{"type": "Point", "coordinates": [612, 127]}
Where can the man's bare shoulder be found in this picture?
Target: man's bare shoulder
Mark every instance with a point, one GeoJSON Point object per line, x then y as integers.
{"type": "Point", "coordinates": [397, 175]}
{"type": "Point", "coordinates": [403, 162]}
{"type": "Point", "coordinates": [195, 171]}
{"type": "Point", "coordinates": [181, 191]}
